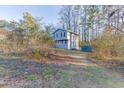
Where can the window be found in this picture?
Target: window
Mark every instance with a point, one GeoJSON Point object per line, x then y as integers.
{"type": "Point", "coordinates": [64, 34]}
{"type": "Point", "coordinates": [61, 34]}
{"type": "Point", "coordinates": [65, 41]}
{"type": "Point", "coordinates": [57, 35]}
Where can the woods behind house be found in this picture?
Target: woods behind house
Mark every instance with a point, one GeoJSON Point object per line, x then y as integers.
{"type": "Point", "coordinates": [99, 26]}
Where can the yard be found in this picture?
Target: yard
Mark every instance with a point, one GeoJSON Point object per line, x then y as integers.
{"type": "Point", "coordinates": [63, 69]}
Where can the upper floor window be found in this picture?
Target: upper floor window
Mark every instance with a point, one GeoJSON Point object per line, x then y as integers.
{"type": "Point", "coordinates": [64, 34]}
{"type": "Point", "coordinates": [61, 34]}
{"type": "Point", "coordinates": [57, 35]}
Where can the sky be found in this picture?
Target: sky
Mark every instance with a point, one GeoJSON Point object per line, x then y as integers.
{"type": "Point", "coordinates": [49, 13]}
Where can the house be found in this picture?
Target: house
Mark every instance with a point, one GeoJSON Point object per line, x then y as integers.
{"type": "Point", "coordinates": [66, 39]}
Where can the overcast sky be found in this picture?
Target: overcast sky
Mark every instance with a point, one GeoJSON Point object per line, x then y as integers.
{"type": "Point", "coordinates": [14, 12]}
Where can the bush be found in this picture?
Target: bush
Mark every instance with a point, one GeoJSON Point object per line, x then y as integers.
{"type": "Point", "coordinates": [36, 55]}
{"type": "Point", "coordinates": [84, 43]}
{"type": "Point", "coordinates": [40, 46]}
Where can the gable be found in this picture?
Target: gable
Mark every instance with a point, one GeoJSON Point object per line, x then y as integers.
{"type": "Point", "coordinates": [65, 31]}
{"type": "Point", "coordinates": [60, 34]}
{"type": "Point", "coordinates": [59, 30]}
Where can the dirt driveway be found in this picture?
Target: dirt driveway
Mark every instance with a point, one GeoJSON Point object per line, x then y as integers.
{"type": "Point", "coordinates": [63, 69]}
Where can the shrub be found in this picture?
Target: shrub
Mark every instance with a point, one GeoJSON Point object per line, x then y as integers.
{"type": "Point", "coordinates": [36, 55]}
{"type": "Point", "coordinates": [84, 43]}
{"type": "Point", "coordinates": [40, 46]}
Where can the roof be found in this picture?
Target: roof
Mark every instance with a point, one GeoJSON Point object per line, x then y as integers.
{"type": "Point", "coordinates": [65, 30]}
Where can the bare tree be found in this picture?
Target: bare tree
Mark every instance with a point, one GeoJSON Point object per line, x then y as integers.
{"type": "Point", "coordinates": [66, 15]}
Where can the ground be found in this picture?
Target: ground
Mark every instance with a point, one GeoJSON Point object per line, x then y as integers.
{"type": "Point", "coordinates": [63, 69]}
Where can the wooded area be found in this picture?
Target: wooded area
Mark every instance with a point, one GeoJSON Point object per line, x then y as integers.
{"type": "Point", "coordinates": [99, 26]}
{"type": "Point", "coordinates": [26, 35]}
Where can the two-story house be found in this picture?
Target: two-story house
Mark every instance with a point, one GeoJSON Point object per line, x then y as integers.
{"type": "Point", "coordinates": [66, 39]}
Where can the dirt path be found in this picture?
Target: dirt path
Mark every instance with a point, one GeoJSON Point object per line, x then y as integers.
{"type": "Point", "coordinates": [64, 69]}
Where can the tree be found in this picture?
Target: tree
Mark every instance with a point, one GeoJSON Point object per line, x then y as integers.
{"type": "Point", "coordinates": [31, 26]}
{"type": "Point", "coordinates": [76, 16]}
{"type": "Point", "coordinates": [49, 29]}
{"type": "Point", "coordinates": [66, 15]}
{"type": "Point", "coordinates": [88, 22]}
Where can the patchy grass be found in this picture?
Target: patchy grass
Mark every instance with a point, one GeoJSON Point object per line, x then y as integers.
{"type": "Point", "coordinates": [31, 77]}
{"type": "Point", "coordinates": [65, 79]}
{"type": "Point", "coordinates": [86, 77]}
{"type": "Point", "coordinates": [32, 74]}
{"type": "Point", "coordinates": [47, 72]}
{"type": "Point", "coordinates": [12, 55]}
{"type": "Point", "coordinates": [2, 70]}
{"type": "Point", "coordinates": [98, 75]}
